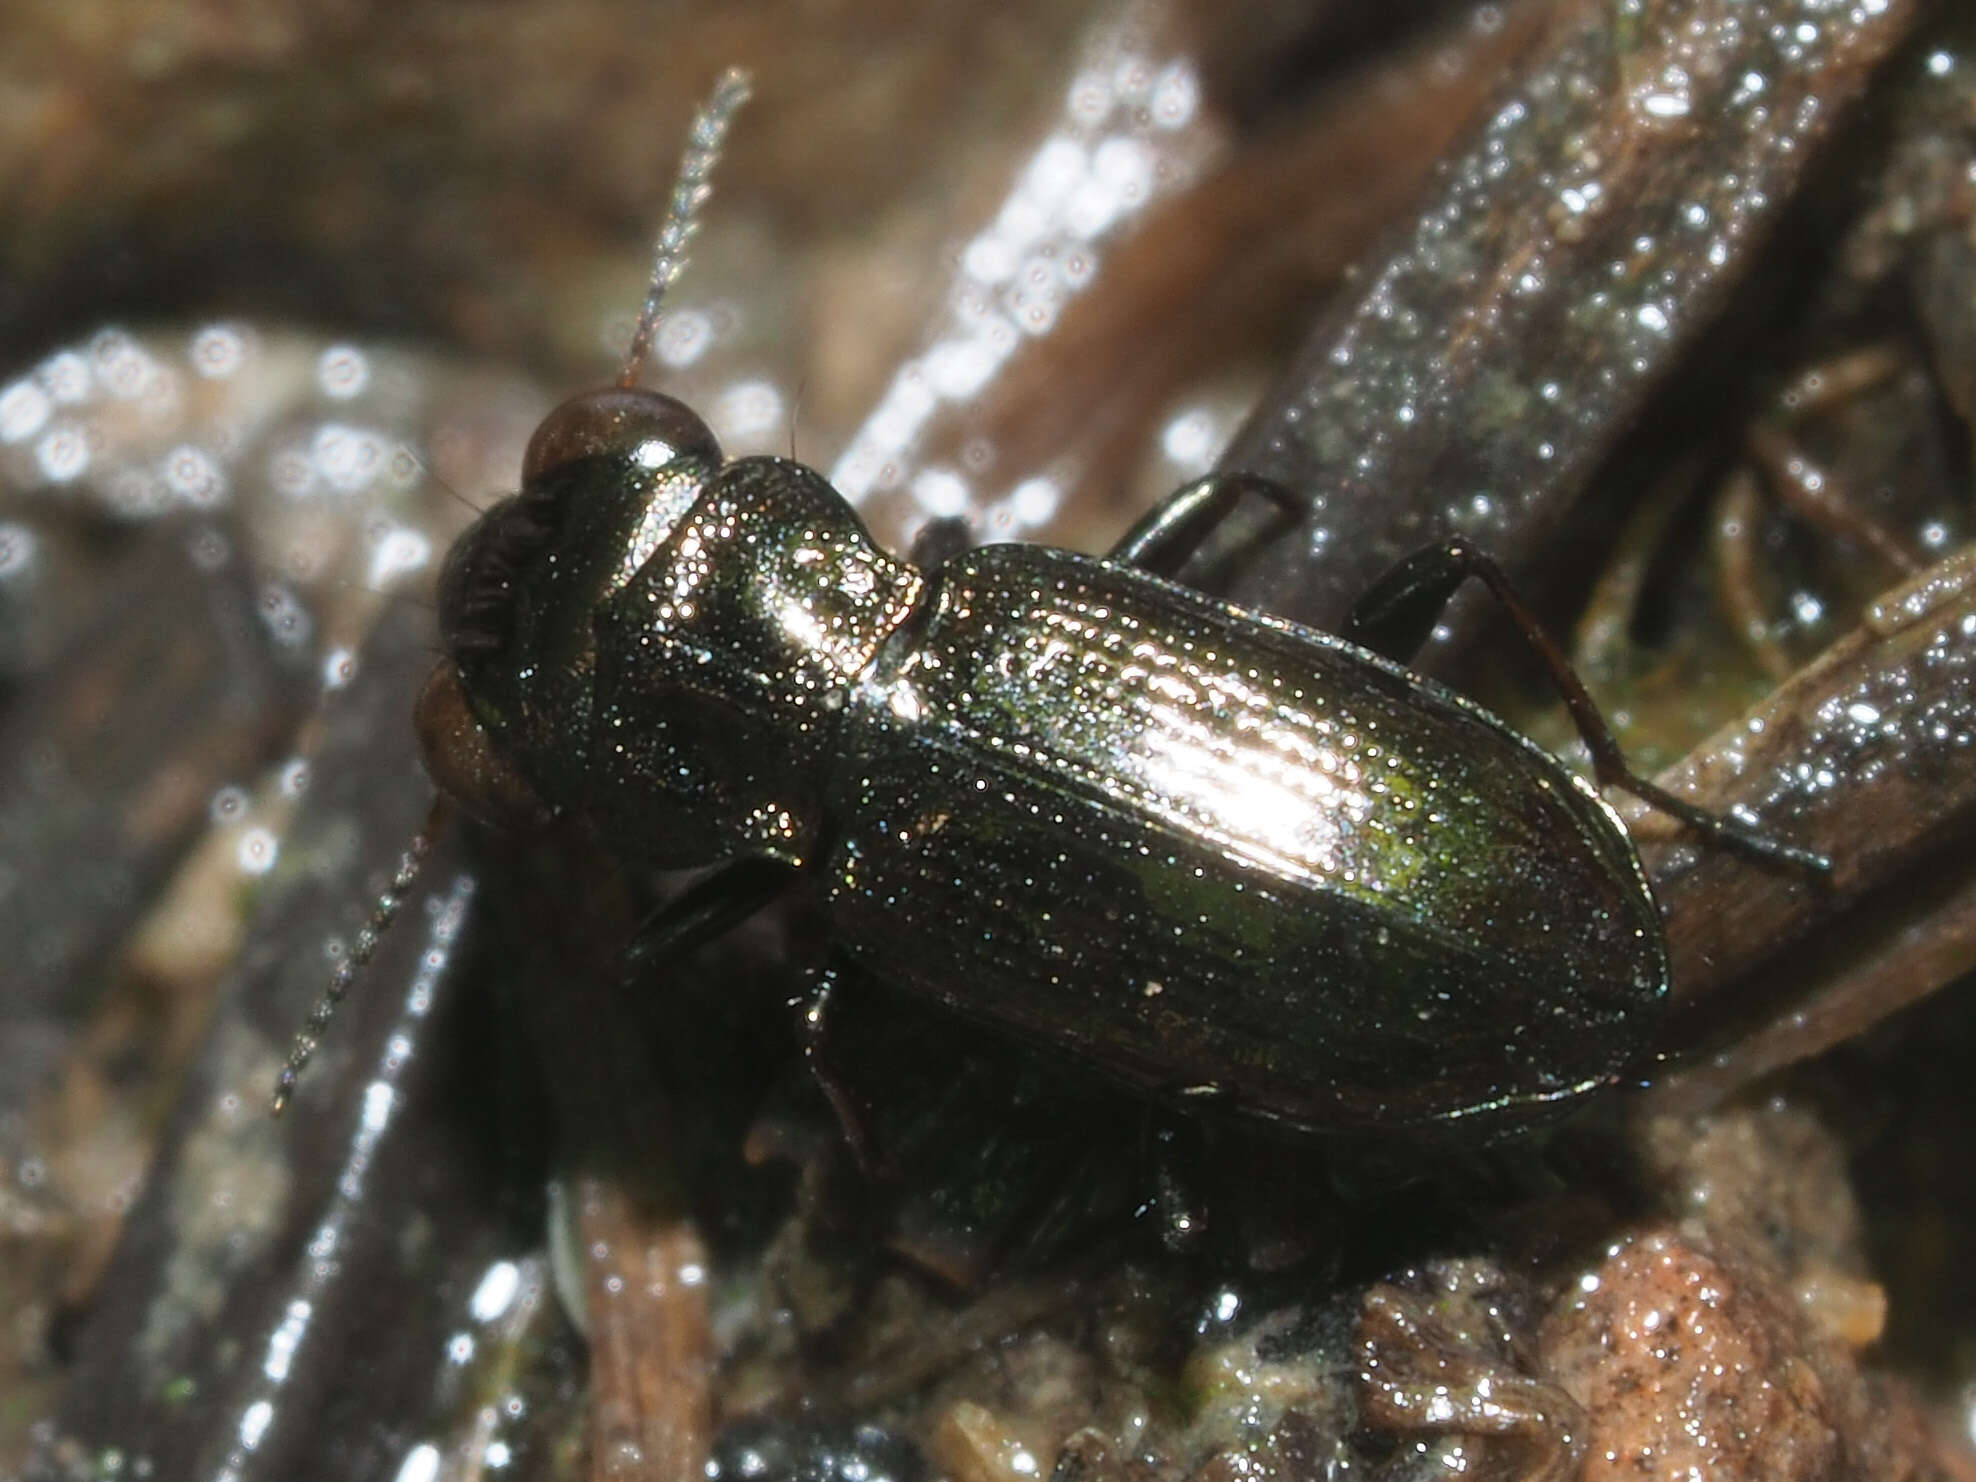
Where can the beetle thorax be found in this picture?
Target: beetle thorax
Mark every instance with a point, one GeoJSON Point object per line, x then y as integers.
{"type": "Point", "coordinates": [656, 641]}
{"type": "Point", "coordinates": [724, 665]}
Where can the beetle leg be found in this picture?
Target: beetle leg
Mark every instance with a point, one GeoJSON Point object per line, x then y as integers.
{"type": "Point", "coordinates": [1172, 531]}
{"type": "Point", "coordinates": [1177, 1204]}
{"type": "Point", "coordinates": [1396, 615]}
{"type": "Point", "coordinates": [939, 541]}
{"type": "Point", "coordinates": [704, 910]}
{"type": "Point", "coordinates": [1814, 495]}
{"type": "Point", "coordinates": [813, 1029]}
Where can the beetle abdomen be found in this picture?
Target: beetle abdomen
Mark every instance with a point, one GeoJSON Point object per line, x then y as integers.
{"type": "Point", "coordinates": [1196, 847]}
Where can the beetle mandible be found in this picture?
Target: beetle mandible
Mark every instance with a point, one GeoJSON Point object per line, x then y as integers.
{"type": "Point", "coordinates": [1195, 848]}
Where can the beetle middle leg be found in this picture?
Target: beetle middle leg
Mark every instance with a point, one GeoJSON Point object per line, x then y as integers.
{"type": "Point", "coordinates": [813, 1030]}
{"type": "Point", "coordinates": [939, 541]}
{"type": "Point", "coordinates": [708, 909]}
{"type": "Point", "coordinates": [1395, 617]}
{"type": "Point", "coordinates": [1172, 531]}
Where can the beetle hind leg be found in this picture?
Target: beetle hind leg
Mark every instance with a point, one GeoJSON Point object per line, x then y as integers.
{"type": "Point", "coordinates": [1398, 612]}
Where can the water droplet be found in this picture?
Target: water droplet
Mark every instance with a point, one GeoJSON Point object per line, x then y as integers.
{"type": "Point", "coordinates": [343, 371]}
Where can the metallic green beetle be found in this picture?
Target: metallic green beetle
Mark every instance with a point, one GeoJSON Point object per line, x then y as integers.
{"type": "Point", "coordinates": [1186, 844]}
{"type": "Point", "coordinates": [1194, 848]}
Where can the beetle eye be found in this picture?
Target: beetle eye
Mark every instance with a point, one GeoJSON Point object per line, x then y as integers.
{"type": "Point", "coordinates": [623, 461]}
{"type": "Point", "coordinates": [647, 428]}
{"type": "Point", "coordinates": [462, 762]}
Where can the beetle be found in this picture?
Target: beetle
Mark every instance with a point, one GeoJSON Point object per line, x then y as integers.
{"type": "Point", "coordinates": [1201, 851]}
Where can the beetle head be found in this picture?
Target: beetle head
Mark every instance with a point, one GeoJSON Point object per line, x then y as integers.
{"type": "Point", "coordinates": [607, 477]}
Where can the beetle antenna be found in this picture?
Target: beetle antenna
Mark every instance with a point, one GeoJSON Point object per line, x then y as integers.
{"type": "Point", "coordinates": [383, 912]}
{"type": "Point", "coordinates": [689, 192]}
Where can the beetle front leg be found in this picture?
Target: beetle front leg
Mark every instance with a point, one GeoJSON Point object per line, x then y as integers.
{"type": "Point", "coordinates": [706, 909]}
{"type": "Point", "coordinates": [1396, 615]}
{"type": "Point", "coordinates": [1171, 532]}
